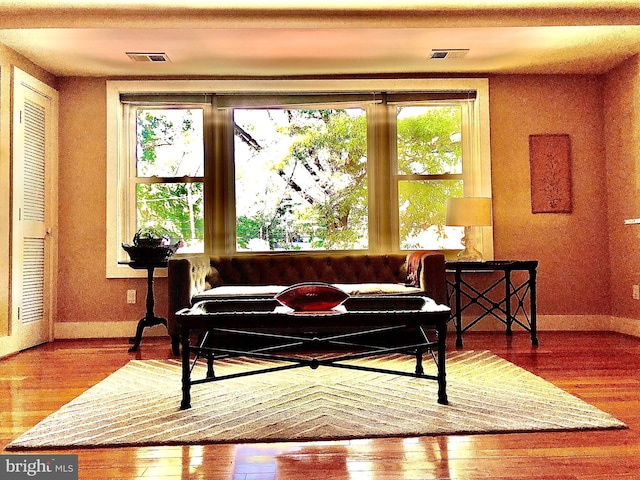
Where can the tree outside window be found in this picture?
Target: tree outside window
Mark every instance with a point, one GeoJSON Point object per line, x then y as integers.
{"type": "Point", "coordinates": [169, 158]}
{"type": "Point", "coordinates": [301, 179]}
{"type": "Point", "coordinates": [429, 170]}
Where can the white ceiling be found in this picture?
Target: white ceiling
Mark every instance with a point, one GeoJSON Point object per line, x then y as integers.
{"type": "Point", "coordinates": [292, 38]}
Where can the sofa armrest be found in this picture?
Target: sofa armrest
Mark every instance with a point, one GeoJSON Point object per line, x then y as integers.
{"type": "Point", "coordinates": [186, 277]}
{"type": "Point", "coordinates": [433, 277]}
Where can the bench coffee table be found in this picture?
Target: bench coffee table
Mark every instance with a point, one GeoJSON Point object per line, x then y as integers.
{"type": "Point", "coordinates": [351, 328]}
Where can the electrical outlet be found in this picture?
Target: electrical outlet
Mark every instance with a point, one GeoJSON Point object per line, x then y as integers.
{"type": "Point", "coordinates": [131, 296]}
{"type": "Point", "coordinates": [636, 292]}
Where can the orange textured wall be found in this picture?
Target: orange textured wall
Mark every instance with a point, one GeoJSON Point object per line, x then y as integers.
{"type": "Point", "coordinates": [622, 113]}
{"type": "Point", "coordinates": [572, 248]}
{"type": "Point", "coordinates": [84, 292]}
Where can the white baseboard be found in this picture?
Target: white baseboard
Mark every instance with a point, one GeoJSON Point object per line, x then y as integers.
{"type": "Point", "coordinates": [605, 323]}
{"type": "Point", "coordinates": [80, 330]}
{"type": "Point", "coordinates": [627, 326]}
{"type": "Point", "coordinates": [8, 346]}
{"type": "Point", "coordinates": [574, 322]}
{"type": "Point", "coordinates": [546, 322]}
{"type": "Point", "coordinates": [571, 323]}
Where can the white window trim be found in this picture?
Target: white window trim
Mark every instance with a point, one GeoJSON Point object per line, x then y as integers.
{"type": "Point", "coordinates": [116, 147]}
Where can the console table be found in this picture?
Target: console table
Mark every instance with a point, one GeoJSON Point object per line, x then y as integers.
{"type": "Point", "coordinates": [149, 319]}
{"type": "Point", "coordinates": [348, 327]}
{"type": "Point", "coordinates": [507, 305]}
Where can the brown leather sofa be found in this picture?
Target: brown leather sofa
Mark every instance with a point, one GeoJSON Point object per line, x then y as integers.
{"type": "Point", "coordinates": [196, 278]}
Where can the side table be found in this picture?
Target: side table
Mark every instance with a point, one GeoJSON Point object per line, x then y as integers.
{"type": "Point", "coordinates": [149, 319]}
{"type": "Point", "coordinates": [502, 309]}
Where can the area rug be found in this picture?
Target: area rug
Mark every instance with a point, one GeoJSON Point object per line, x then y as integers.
{"type": "Point", "coordinates": [139, 405]}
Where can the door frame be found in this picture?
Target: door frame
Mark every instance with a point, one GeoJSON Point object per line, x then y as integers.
{"type": "Point", "coordinates": [25, 85]}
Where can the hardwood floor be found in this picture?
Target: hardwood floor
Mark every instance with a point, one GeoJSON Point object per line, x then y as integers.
{"type": "Point", "coordinates": [601, 368]}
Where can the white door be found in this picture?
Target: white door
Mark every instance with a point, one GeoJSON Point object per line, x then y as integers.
{"type": "Point", "coordinates": [34, 217]}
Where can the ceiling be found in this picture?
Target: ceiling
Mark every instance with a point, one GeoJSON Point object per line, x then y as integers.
{"type": "Point", "coordinates": [329, 37]}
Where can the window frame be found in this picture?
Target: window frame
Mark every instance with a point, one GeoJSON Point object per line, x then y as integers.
{"type": "Point", "coordinates": [219, 173]}
{"type": "Point", "coordinates": [130, 110]}
{"type": "Point", "coordinates": [364, 105]}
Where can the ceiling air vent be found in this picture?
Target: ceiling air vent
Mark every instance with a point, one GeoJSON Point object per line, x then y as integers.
{"type": "Point", "coordinates": [148, 57]}
{"type": "Point", "coordinates": [449, 54]}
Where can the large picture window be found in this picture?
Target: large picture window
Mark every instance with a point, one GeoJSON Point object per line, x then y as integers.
{"type": "Point", "coordinates": [301, 179]}
{"type": "Point", "coordinates": [323, 166]}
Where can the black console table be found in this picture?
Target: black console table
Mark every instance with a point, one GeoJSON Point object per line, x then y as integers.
{"type": "Point", "coordinates": [510, 303]}
{"type": "Point", "coordinates": [149, 319]}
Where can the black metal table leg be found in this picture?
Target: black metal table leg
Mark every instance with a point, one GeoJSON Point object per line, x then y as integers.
{"type": "Point", "coordinates": [532, 306]}
{"type": "Point", "coordinates": [441, 331]}
{"type": "Point", "coordinates": [175, 344]}
{"type": "Point", "coordinates": [419, 367]}
{"type": "Point", "coordinates": [138, 337]}
{"type": "Point", "coordinates": [458, 290]}
{"type": "Point", "coordinates": [507, 301]}
{"type": "Point", "coordinates": [186, 370]}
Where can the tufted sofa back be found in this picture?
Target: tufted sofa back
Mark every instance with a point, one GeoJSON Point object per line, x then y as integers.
{"type": "Point", "coordinates": [290, 269]}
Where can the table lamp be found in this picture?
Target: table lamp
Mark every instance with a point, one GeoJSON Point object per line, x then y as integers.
{"type": "Point", "coordinates": [469, 212]}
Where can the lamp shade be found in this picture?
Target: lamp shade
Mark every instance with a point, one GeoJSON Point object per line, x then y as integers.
{"type": "Point", "coordinates": [468, 211]}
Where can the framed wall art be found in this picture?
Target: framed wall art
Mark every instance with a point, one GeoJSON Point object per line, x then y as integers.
{"type": "Point", "coordinates": [550, 158]}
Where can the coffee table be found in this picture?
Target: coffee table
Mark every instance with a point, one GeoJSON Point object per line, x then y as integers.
{"type": "Point", "coordinates": [350, 329]}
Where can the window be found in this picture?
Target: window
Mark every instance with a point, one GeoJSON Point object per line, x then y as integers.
{"type": "Point", "coordinates": [301, 179]}
{"type": "Point", "coordinates": [320, 165]}
{"type": "Point", "coordinates": [167, 173]}
{"type": "Point", "coordinates": [429, 170]}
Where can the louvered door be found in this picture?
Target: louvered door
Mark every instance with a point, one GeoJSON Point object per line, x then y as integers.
{"type": "Point", "coordinates": [34, 154]}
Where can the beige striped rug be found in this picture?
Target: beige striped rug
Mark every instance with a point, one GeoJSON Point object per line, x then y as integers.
{"type": "Point", "coordinates": [139, 405]}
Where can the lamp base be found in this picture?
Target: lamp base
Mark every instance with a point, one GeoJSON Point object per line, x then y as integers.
{"type": "Point", "coordinates": [469, 254]}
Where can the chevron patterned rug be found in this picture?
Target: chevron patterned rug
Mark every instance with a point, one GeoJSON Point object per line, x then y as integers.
{"type": "Point", "coordinates": [139, 405]}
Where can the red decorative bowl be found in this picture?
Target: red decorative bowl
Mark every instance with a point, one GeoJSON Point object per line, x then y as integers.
{"type": "Point", "coordinates": [305, 297]}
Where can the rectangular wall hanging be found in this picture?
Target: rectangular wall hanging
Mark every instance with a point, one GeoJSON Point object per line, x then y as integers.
{"type": "Point", "coordinates": [550, 157]}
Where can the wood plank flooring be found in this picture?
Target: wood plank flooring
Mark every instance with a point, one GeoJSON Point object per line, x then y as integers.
{"type": "Point", "coordinates": [601, 368]}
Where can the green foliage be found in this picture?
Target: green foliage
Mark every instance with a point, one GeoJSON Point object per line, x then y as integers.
{"type": "Point", "coordinates": [153, 130]}
{"type": "Point", "coordinates": [175, 207]}
{"type": "Point", "coordinates": [332, 146]}
{"type": "Point", "coordinates": [428, 143]}
{"type": "Point", "coordinates": [423, 205]}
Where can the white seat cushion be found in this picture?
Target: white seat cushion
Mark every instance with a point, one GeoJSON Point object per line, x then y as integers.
{"type": "Point", "coordinates": [227, 291]}
{"type": "Point", "coordinates": [377, 288]}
